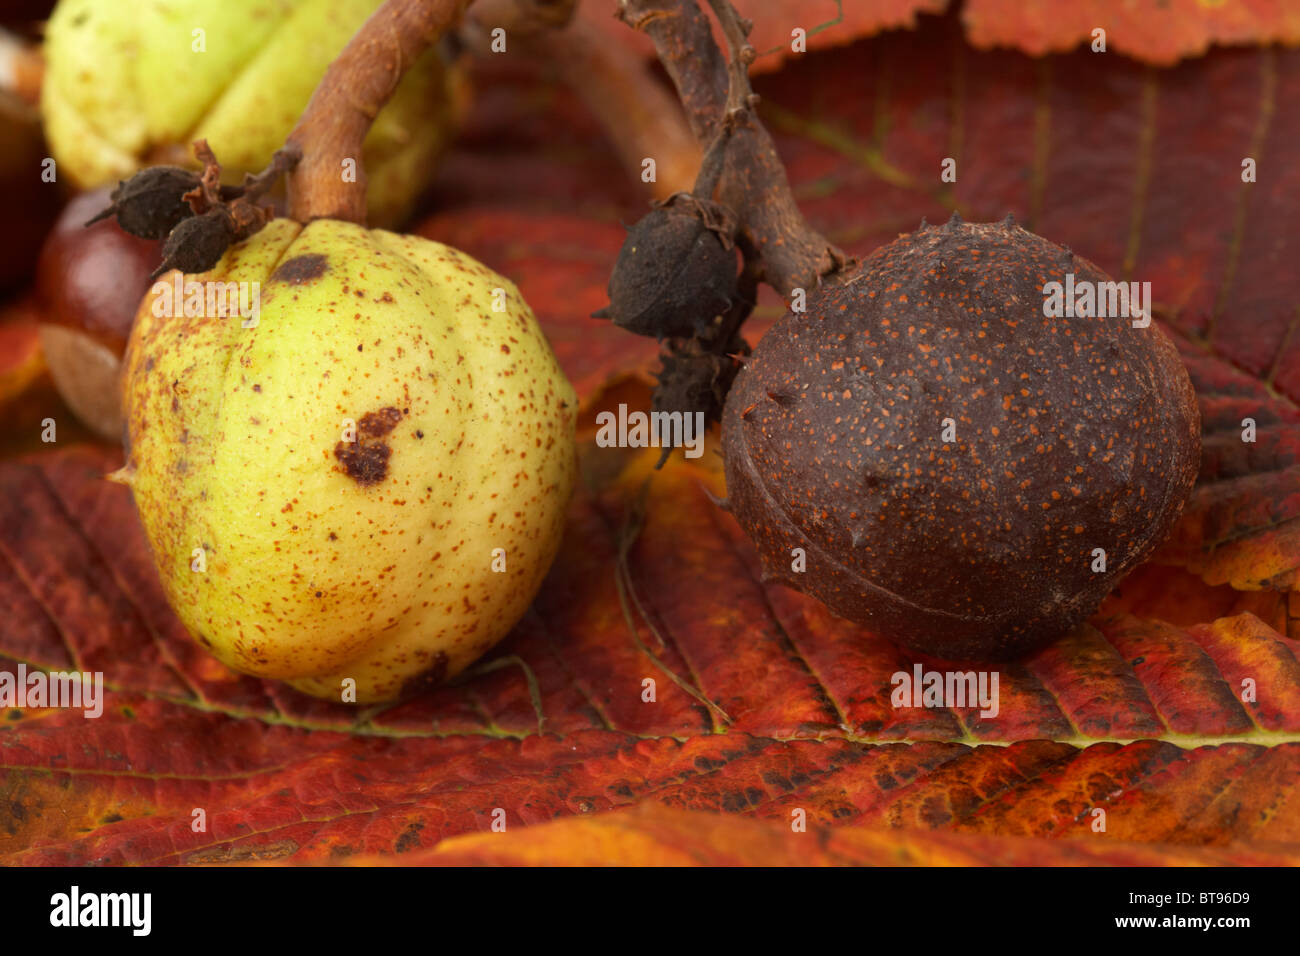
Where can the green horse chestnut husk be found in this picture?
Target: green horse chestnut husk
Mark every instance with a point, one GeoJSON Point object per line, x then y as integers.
{"type": "Point", "coordinates": [964, 474]}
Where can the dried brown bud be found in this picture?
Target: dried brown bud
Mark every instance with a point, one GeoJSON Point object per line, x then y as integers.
{"type": "Point", "coordinates": [676, 271]}
{"type": "Point", "coordinates": [198, 243]}
{"type": "Point", "coordinates": [152, 202]}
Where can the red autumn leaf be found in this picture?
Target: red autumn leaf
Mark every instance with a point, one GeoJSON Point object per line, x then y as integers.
{"type": "Point", "coordinates": [1180, 597]}
{"type": "Point", "coordinates": [1241, 526]}
{"type": "Point", "coordinates": [765, 703]}
{"type": "Point", "coordinates": [559, 725]}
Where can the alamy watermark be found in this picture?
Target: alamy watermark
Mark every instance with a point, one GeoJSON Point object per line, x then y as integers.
{"type": "Point", "coordinates": [947, 689]}
{"type": "Point", "coordinates": [53, 689]}
{"type": "Point", "coordinates": [75, 908]}
{"type": "Point", "coordinates": [1087, 299]}
{"type": "Point", "coordinates": [653, 430]}
{"type": "Point", "coordinates": [212, 299]}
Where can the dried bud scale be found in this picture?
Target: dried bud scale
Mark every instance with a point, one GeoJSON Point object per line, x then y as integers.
{"type": "Point", "coordinates": [693, 380]}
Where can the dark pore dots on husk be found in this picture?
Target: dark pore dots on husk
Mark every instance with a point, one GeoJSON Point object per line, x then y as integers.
{"type": "Point", "coordinates": [1068, 435]}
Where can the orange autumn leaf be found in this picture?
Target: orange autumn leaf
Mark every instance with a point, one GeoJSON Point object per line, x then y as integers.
{"type": "Point", "coordinates": [1154, 32]}
{"type": "Point", "coordinates": [652, 835]}
{"type": "Point", "coordinates": [1160, 33]}
{"type": "Point", "coordinates": [825, 23]}
{"type": "Point", "coordinates": [21, 363]}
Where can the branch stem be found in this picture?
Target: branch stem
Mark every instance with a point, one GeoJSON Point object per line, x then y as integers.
{"type": "Point", "coordinates": [754, 182]}
{"type": "Point", "coordinates": [357, 84]}
{"type": "Point", "coordinates": [641, 117]}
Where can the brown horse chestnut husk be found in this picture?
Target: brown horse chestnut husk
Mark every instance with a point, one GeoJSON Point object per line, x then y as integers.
{"type": "Point", "coordinates": [964, 473]}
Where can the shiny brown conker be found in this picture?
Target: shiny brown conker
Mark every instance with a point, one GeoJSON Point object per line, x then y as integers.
{"type": "Point", "coordinates": [89, 281]}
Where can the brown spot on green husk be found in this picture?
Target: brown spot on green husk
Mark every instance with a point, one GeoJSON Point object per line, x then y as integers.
{"type": "Point", "coordinates": [427, 679]}
{"type": "Point", "coordinates": [365, 462]}
{"type": "Point", "coordinates": [379, 423]}
{"type": "Point", "coordinates": [301, 269]}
